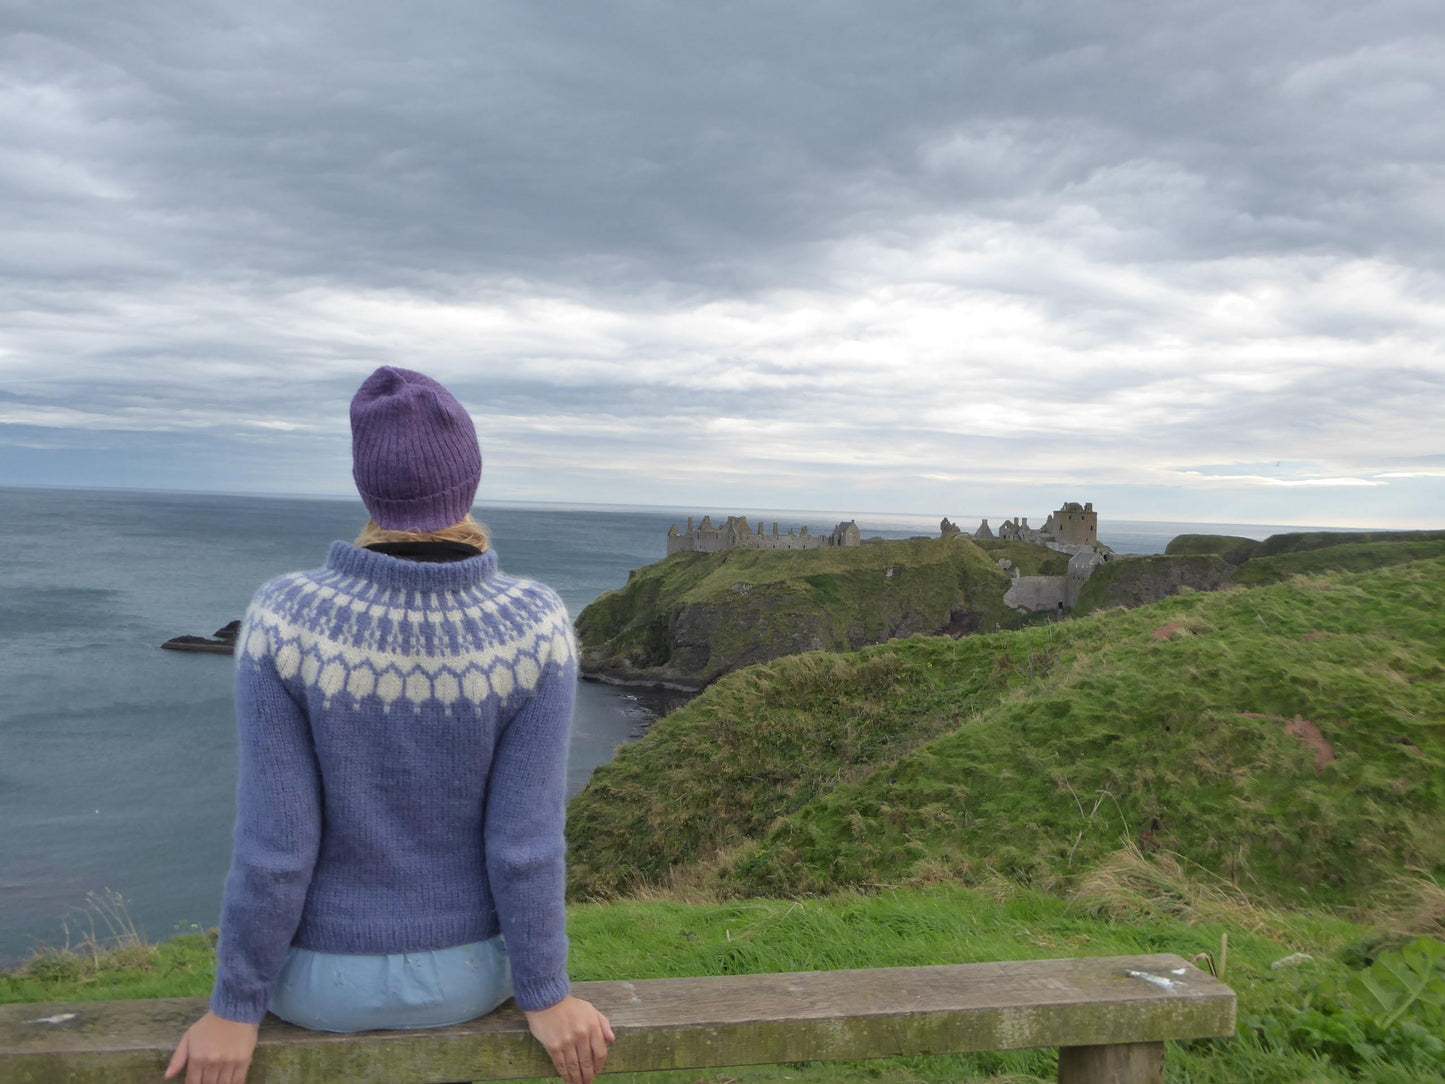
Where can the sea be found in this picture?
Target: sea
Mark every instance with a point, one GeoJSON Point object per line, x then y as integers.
{"type": "Point", "coordinates": [118, 759]}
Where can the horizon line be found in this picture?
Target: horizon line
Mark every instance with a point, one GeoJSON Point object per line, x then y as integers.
{"type": "Point", "coordinates": [667, 508]}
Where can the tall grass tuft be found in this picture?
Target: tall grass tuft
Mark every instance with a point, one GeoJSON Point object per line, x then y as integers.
{"type": "Point", "coordinates": [1129, 883]}
{"type": "Point", "coordinates": [1415, 907]}
{"type": "Point", "coordinates": [104, 954]}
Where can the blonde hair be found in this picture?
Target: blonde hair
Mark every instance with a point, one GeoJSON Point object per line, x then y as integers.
{"type": "Point", "coordinates": [468, 531]}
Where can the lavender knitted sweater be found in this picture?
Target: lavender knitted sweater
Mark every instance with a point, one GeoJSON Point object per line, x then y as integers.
{"type": "Point", "coordinates": [403, 738]}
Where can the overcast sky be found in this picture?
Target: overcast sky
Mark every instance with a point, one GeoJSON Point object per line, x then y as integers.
{"type": "Point", "coordinates": [1184, 260]}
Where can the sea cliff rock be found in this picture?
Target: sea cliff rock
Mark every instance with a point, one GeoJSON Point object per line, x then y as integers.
{"type": "Point", "coordinates": [220, 642]}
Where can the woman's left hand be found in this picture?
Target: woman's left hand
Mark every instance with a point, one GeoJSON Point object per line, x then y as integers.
{"type": "Point", "coordinates": [575, 1035]}
{"type": "Point", "coordinates": [214, 1051]}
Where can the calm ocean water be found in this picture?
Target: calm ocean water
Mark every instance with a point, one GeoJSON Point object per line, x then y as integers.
{"type": "Point", "coordinates": [117, 759]}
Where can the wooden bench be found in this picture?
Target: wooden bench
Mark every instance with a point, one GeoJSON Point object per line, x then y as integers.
{"type": "Point", "coordinates": [1109, 1016]}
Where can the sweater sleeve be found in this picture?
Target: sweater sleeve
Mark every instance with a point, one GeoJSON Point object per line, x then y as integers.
{"type": "Point", "coordinates": [524, 830]}
{"type": "Point", "coordinates": [278, 832]}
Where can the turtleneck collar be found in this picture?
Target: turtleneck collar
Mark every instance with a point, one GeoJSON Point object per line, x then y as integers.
{"type": "Point", "coordinates": [398, 572]}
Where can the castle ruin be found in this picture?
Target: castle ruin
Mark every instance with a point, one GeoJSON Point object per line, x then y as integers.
{"type": "Point", "coordinates": [1073, 529]}
{"type": "Point", "coordinates": [704, 537]}
{"type": "Point", "coordinates": [1073, 525]}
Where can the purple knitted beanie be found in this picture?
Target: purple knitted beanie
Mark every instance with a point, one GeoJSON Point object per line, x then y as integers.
{"type": "Point", "coordinates": [414, 452]}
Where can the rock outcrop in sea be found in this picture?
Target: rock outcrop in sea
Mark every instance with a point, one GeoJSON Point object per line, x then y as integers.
{"type": "Point", "coordinates": [220, 642]}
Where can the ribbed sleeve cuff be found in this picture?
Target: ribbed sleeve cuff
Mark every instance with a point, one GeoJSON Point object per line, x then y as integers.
{"type": "Point", "coordinates": [533, 997]}
{"type": "Point", "coordinates": [241, 1010]}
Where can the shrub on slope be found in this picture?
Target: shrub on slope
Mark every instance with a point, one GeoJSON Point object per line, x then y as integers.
{"type": "Point", "coordinates": [1289, 738]}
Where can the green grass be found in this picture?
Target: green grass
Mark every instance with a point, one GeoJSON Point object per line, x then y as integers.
{"type": "Point", "coordinates": [764, 742]}
{"type": "Point", "coordinates": [184, 966]}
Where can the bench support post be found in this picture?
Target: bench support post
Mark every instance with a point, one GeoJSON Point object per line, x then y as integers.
{"type": "Point", "coordinates": [1120, 1063]}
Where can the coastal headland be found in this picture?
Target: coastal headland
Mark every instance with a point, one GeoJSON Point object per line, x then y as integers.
{"type": "Point", "coordinates": [692, 617]}
{"type": "Point", "coordinates": [727, 596]}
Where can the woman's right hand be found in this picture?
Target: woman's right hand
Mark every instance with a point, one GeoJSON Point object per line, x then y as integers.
{"type": "Point", "coordinates": [214, 1051]}
{"type": "Point", "coordinates": [575, 1036]}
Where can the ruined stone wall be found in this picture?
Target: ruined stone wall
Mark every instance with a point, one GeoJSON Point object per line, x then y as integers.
{"type": "Point", "coordinates": [1018, 530]}
{"type": "Point", "coordinates": [704, 538]}
{"type": "Point", "coordinates": [737, 534]}
{"type": "Point", "coordinates": [1036, 593]}
{"type": "Point", "coordinates": [1071, 529]}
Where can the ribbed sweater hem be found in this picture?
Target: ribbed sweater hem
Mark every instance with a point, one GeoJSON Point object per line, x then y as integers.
{"type": "Point", "coordinates": [384, 936]}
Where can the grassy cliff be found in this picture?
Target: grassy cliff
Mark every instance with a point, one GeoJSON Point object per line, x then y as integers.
{"type": "Point", "coordinates": [1302, 541]}
{"type": "Point", "coordinates": [1201, 562]}
{"type": "Point", "coordinates": [1347, 557]}
{"type": "Point", "coordinates": [1288, 739]}
{"type": "Point", "coordinates": [1233, 548]}
{"type": "Point", "coordinates": [1237, 550]}
{"type": "Point", "coordinates": [692, 617]}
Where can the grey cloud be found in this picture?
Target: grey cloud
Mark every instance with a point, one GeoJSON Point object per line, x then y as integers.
{"type": "Point", "coordinates": [181, 182]}
{"type": "Point", "coordinates": [708, 147]}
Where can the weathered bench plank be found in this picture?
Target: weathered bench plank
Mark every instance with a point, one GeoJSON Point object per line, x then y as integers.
{"type": "Point", "coordinates": [677, 1024]}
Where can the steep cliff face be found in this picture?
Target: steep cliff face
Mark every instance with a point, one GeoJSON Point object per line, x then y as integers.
{"type": "Point", "coordinates": [692, 617]}
{"type": "Point", "coordinates": [1138, 581]}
